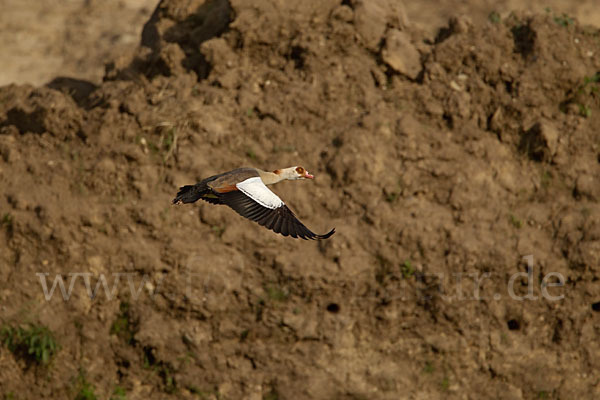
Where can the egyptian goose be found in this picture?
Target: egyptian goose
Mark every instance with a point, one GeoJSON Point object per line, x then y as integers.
{"type": "Point", "coordinates": [245, 191]}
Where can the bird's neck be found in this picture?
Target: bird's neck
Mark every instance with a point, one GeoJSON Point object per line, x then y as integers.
{"type": "Point", "coordinates": [270, 178]}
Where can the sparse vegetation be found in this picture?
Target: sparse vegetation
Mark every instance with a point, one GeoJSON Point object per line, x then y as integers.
{"type": "Point", "coordinates": [392, 197]}
{"type": "Point", "coordinates": [118, 394]}
{"type": "Point", "coordinates": [584, 110]}
{"type": "Point", "coordinates": [166, 373]}
{"type": "Point", "coordinates": [494, 17]}
{"type": "Point", "coordinates": [564, 20]}
{"type": "Point", "coordinates": [166, 144]}
{"type": "Point", "coordinates": [407, 269]}
{"type": "Point", "coordinates": [272, 395]}
{"type": "Point", "coordinates": [445, 384]}
{"type": "Point", "coordinates": [545, 179]}
{"type": "Point", "coordinates": [85, 390]}
{"type": "Point", "coordinates": [204, 394]}
{"type": "Point", "coordinates": [251, 154]}
{"type": "Point", "coordinates": [163, 369]}
{"type": "Point", "coordinates": [516, 222]}
{"type": "Point", "coordinates": [587, 80]}
{"type": "Point", "coordinates": [7, 222]}
{"type": "Point", "coordinates": [123, 327]}
{"type": "Point", "coordinates": [35, 343]}
{"type": "Point", "coordinates": [218, 230]}
{"type": "Point", "coordinates": [277, 293]}
{"type": "Point", "coordinates": [428, 369]}
{"type": "Point", "coordinates": [589, 88]}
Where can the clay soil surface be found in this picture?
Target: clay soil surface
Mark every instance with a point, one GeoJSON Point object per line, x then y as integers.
{"type": "Point", "coordinates": [457, 157]}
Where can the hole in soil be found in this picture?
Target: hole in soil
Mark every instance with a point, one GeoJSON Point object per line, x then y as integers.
{"type": "Point", "coordinates": [149, 358]}
{"type": "Point", "coordinates": [443, 34]}
{"type": "Point", "coordinates": [596, 306]}
{"type": "Point", "coordinates": [298, 54]}
{"type": "Point", "coordinates": [599, 158]}
{"type": "Point", "coordinates": [508, 86]}
{"type": "Point", "coordinates": [524, 38]}
{"type": "Point", "coordinates": [534, 144]}
{"type": "Point", "coordinates": [333, 308]}
{"type": "Point", "coordinates": [448, 118]}
{"type": "Point", "coordinates": [347, 3]}
{"type": "Point", "coordinates": [556, 336]}
{"type": "Point", "coordinates": [337, 142]}
{"type": "Point", "coordinates": [513, 325]}
{"type": "Point", "coordinates": [25, 121]}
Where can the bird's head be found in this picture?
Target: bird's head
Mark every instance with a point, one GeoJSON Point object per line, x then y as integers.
{"type": "Point", "coordinates": [293, 173]}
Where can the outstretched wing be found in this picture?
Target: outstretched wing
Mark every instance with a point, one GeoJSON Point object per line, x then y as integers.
{"type": "Point", "coordinates": [255, 201]}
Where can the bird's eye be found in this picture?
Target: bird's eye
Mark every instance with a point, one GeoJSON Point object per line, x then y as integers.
{"type": "Point", "coordinates": [300, 170]}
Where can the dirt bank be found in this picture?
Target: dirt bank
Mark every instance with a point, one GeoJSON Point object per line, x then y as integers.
{"type": "Point", "coordinates": [442, 160]}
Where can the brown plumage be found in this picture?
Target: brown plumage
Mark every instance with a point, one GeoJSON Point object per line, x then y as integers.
{"type": "Point", "coordinates": [245, 191]}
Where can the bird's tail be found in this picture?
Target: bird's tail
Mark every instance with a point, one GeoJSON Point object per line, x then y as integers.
{"type": "Point", "coordinates": [190, 193]}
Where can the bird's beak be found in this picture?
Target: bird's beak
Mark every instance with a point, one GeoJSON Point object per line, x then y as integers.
{"type": "Point", "coordinates": [308, 176]}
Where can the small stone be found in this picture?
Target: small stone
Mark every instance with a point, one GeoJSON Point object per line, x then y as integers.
{"type": "Point", "coordinates": [455, 86]}
{"type": "Point", "coordinates": [462, 24]}
{"type": "Point", "coordinates": [496, 121]}
{"type": "Point", "coordinates": [587, 186]}
{"type": "Point", "coordinates": [343, 13]}
{"type": "Point", "coordinates": [400, 54]}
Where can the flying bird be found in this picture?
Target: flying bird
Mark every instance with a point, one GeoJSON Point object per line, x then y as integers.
{"type": "Point", "coordinates": [245, 191]}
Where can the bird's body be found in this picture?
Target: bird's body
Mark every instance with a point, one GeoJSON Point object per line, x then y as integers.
{"type": "Point", "coordinates": [245, 191]}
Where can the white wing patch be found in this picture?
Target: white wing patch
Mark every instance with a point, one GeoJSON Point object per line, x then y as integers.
{"type": "Point", "coordinates": [259, 192]}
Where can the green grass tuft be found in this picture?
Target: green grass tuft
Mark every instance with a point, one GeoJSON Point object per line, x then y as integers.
{"type": "Point", "coordinates": [251, 154]}
{"type": "Point", "coordinates": [445, 384]}
{"type": "Point", "coordinates": [516, 222]}
{"type": "Point", "coordinates": [585, 110]}
{"type": "Point", "coordinates": [7, 222]}
{"type": "Point", "coordinates": [546, 179]}
{"type": "Point", "coordinates": [218, 230]}
{"type": "Point", "coordinates": [407, 269]}
{"type": "Point", "coordinates": [35, 342]}
{"type": "Point", "coordinates": [276, 293]}
{"type": "Point", "coordinates": [272, 395]}
{"type": "Point", "coordinates": [564, 20]}
{"type": "Point", "coordinates": [392, 197]}
{"type": "Point", "coordinates": [118, 394]}
{"type": "Point", "coordinates": [494, 17]}
{"type": "Point", "coordinates": [428, 369]}
{"type": "Point", "coordinates": [123, 327]}
{"type": "Point", "coordinates": [86, 390]}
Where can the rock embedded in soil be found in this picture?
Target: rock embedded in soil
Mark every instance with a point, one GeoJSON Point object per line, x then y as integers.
{"type": "Point", "coordinates": [400, 54]}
